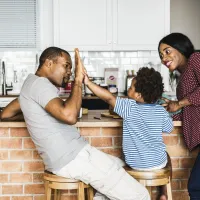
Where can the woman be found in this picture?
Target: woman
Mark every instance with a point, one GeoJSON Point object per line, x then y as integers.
{"type": "Point", "coordinates": [177, 53]}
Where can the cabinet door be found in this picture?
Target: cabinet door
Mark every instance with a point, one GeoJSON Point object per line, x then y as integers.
{"type": "Point", "coordinates": [84, 24]}
{"type": "Point", "coordinates": [140, 24]}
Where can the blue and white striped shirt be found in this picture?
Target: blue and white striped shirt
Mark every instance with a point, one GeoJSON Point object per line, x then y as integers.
{"type": "Point", "coordinates": [143, 125]}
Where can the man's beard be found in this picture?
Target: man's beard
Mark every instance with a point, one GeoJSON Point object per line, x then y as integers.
{"type": "Point", "coordinates": [64, 82]}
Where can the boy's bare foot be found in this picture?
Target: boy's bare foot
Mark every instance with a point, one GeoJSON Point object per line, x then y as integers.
{"type": "Point", "coordinates": [163, 197]}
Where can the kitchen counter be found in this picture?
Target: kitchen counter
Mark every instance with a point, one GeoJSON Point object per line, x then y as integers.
{"type": "Point", "coordinates": [89, 101]}
{"type": "Point", "coordinates": [87, 121]}
{"type": "Point", "coordinates": [62, 95]}
{"type": "Point", "coordinates": [21, 168]}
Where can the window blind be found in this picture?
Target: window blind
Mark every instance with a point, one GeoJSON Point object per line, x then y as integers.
{"type": "Point", "coordinates": [19, 24]}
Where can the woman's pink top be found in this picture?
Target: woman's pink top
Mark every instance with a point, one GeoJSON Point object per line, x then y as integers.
{"type": "Point", "coordinates": [189, 87]}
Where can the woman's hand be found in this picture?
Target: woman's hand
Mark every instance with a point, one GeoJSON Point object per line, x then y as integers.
{"type": "Point", "coordinates": [173, 106]}
{"type": "Point", "coordinates": [164, 102]}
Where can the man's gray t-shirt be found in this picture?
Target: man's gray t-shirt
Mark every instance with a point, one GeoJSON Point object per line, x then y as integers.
{"type": "Point", "coordinates": [57, 143]}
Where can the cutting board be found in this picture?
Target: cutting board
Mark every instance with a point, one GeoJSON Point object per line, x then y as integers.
{"type": "Point", "coordinates": [107, 114]}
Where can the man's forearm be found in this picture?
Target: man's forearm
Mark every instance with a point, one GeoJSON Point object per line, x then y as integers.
{"type": "Point", "coordinates": [75, 99]}
{"type": "Point", "coordinates": [18, 117]}
{"type": "Point", "coordinates": [11, 110]}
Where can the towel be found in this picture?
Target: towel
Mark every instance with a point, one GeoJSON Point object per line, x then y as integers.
{"type": "Point", "coordinates": [162, 101]}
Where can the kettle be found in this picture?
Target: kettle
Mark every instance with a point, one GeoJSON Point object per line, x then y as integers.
{"type": "Point", "coordinates": [129, 78]}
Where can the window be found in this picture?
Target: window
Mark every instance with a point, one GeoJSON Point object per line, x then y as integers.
{"type": "Point", "coordinates": [19, 24]}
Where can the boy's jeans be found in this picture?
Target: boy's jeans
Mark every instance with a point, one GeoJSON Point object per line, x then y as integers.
{"type": "Point", "coordinates": [104, 173]}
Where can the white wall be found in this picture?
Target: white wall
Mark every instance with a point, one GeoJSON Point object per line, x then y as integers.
{"type": "Point", "coordinates": [95, 63]}
{"type": "Point", "coordinates": [185, 18]}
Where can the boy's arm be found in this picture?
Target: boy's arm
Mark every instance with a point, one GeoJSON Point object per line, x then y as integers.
{"type": "Point", "coordinates": [167, 123]}
{"type": "Point", "coordinates": [100, 92]}
{"type": "Point", "coordinates": [12, 112]}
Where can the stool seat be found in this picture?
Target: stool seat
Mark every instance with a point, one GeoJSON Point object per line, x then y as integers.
{"type": "Point", "coordinates": [155, 177]}
{"type": "Point", "coordinates": [52, 177]}
{"type": "Point", "coordinates": [58, 183]}
{"type": "Point", "coordinates": [149, 175]}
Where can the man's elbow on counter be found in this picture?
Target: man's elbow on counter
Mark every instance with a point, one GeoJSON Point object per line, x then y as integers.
{"type": "Point", "coordinates": [2, 116]}
{"type": "Point", "coordinates": [71, 120]}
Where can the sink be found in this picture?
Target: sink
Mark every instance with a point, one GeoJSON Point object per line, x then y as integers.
{"type": "Point", "coordinates": [4, 101]}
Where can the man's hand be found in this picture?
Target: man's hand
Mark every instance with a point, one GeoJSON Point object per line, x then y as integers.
{"type": "Point", "coordinates": [79, 68]}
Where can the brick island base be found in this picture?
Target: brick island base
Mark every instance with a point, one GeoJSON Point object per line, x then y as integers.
{"type": "Point", "coordinates": [21, 168]}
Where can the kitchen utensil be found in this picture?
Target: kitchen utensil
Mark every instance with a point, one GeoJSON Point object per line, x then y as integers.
{"type": "Point", "coordinates": [107, 114]}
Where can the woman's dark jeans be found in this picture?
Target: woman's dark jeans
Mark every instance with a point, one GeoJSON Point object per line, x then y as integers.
{"type": "Point", "coordinates": [194, 181]}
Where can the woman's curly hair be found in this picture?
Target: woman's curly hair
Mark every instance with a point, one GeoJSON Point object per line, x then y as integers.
{"type": "Point", "coordinates": [149, 84]}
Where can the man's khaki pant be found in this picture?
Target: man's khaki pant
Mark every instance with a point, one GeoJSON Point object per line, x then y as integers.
{"type": "Point", "coordinates": [104, 173]}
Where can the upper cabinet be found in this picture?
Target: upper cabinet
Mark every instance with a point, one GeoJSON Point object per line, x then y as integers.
{"type": "Point", "coordinates": [140, 25]}
{"type": "Point", "coordinates": [86, 24]}
{"type": "Point", "coordinates": [101, 25]}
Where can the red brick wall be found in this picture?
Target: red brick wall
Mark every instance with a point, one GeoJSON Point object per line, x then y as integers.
{"type": "Point", "coordinates": [21, 168]}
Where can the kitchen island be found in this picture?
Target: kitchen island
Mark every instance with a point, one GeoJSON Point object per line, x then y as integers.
{"type": "Point", "coordinates": [21, 168]}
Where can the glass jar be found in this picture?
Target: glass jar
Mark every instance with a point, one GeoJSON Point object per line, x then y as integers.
{"type": "Point", "coordinates": [113, 89]}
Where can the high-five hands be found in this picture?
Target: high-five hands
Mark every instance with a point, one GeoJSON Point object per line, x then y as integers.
{"type": "Point", "coordinates": [79, 68]}
{"type": "Point", "coordinates": [79, 64]}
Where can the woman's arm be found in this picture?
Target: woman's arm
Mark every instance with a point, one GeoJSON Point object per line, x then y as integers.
{"type": "Point", "coordinates": [173, 106]}
{"type": "Point", "coordinates": [194, 96]}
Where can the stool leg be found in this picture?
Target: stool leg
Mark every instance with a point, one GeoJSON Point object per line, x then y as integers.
{"type": "Point", "coordinates": [59, 194]}
{"type": "Point", "coordinates": [55, 194]}
{"type": "Point", "coordinates": [169, 190]}
{"type": "Point", "coordinates": [48, 193]}
{"type": "Point", "coordinates": [81, 195]}
{"type": "Point", "coordinates": [47, 190]}
{"type": "Point", "coordinates": [90, 193]}
{"type": "Point", "coordinates": [149, 190]}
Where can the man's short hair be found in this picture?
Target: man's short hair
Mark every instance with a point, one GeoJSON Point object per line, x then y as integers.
{"type": "Point", "coordinates": [51, 53]}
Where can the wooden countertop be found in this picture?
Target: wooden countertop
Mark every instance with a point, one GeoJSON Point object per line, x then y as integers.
{"type": "Point", "coordinates": [62, 96]}
{"type": "Point", "coordinates": [86, 121]}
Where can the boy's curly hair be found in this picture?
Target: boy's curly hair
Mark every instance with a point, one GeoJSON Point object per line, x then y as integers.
{"type": "Point", "coordinates": [149, 84]}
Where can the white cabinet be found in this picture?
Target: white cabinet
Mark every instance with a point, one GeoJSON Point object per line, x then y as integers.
{"type": "Point", "coordinates": [100, 25]}
{"type": "Point", "coordinates": [140, 24]}
{"type": "Point", "coordinates": [86, 24]}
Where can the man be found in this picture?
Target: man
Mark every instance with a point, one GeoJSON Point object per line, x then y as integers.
{"type": "Point", "coordinates": [49, 121]}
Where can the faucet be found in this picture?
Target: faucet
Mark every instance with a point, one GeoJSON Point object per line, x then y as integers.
{"type": "Point", "coordinates": [5, 87]}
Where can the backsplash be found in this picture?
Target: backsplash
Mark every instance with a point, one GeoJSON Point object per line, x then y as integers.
{"type": "Point", "coordinates": [25, 62]}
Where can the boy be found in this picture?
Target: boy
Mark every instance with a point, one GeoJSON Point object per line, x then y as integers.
{"type": "Point", "coordinates": [143, 119]}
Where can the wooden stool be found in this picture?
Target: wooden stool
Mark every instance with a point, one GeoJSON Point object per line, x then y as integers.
{"type": "Point", "coordinates": [154, 178]}
{"type": "Point", "coordinates": [58, 183]}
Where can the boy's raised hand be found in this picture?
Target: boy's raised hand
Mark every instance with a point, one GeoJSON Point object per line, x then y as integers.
{"type": "Point", "coordinates": [86, 78]}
